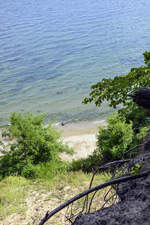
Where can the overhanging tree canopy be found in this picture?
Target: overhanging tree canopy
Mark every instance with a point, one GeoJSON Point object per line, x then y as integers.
{"type": "Point", "coordinates": [116, 90]}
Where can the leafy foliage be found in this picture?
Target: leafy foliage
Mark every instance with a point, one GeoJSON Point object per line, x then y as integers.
{"type": "Point", "coordinates": [129, 126]}
{"type": "Point", "coordinates": [117, 89]}
{"type": "Point", "coordinates": [126, 128]}
{"type": "Point", "coordinates": [114, 140]}
{"type": "Point", "coordinates": [33, 144]}
{"type": "Point", "coordinates": [87, 164]}
{"type": "Point", "coordinates": [136, 168]}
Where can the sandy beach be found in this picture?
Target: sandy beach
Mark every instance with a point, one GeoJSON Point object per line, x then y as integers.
{"type": "Point", "coordinates": [81, 136]}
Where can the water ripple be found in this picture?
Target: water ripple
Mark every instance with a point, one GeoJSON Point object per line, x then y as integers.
{"type": "Point", "coordinates": [52, 51]}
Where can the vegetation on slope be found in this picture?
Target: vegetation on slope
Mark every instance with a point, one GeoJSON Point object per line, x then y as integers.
{"type": "Point", "coordinates": [35, 148]}
{"type": "Point", "coordinates": [128, 126]}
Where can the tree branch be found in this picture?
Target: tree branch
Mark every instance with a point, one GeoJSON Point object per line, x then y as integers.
{"type": "Point", "coordinates": [107, 165]}
{"type": "Point", "coordinates": [115, 181]}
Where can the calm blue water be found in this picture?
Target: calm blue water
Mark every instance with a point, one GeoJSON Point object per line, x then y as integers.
{"type": "Point", "coordinates": [51, 52]}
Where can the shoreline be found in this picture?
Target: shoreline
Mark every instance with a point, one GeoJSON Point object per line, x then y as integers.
{"type": "Point", "coordinates": [80, 127]}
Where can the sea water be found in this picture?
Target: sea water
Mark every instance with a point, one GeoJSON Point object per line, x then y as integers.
{"type": "Point", "coordinates": [51, 52]}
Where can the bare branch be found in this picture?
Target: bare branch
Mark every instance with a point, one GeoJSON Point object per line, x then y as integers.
{"type": "Point", "coordinates": [115, 181]}
{"type": "Point", "coordinates": [107, 165]}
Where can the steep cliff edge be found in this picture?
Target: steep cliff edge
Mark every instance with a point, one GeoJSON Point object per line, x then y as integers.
{"type": "Point", "coordinates": [133, 207]}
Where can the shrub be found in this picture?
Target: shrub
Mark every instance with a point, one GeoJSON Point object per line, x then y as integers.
{"type": "Point", "coordinates": [114, 140]}
{"type": "Point", "coordinates": [33, 144]}
{"type": "Point", "coordinates": [87, 164]}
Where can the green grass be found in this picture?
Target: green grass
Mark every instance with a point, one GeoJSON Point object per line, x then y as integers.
{"type": "Point", "coordinates": [15, 190]}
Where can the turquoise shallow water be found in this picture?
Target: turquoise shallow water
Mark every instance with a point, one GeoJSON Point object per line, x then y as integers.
{"type": "Point", "coordinates": [51, 52]}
